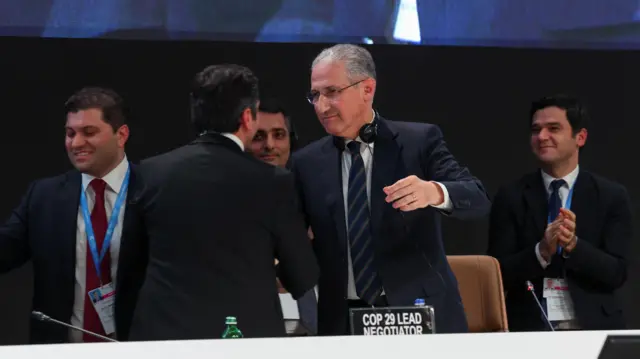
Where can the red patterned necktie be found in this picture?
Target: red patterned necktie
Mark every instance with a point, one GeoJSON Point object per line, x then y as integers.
{"type": "Point", "coordinates": [99, 221]}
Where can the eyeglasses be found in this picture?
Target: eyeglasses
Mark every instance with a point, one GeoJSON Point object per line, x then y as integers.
{"type": "Point", "coordinates": [332, 94]}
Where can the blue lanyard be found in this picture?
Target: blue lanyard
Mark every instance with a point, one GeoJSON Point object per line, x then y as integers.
{"type": "Point", "coordinates": [567, 206]}
{"type": "Point", "coordinates": [113, 221]}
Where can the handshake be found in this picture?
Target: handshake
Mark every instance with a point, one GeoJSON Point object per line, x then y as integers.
{"type": "Point", "coordinates": [559, 234]}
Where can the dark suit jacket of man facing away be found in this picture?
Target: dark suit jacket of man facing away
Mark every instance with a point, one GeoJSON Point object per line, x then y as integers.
{"type": "Point", "coordinates": [43, 229]}
{"type": "Point", "coordinates": [595, 269]}
{"type": "Point", "coordinates": [216, 218]}
{"type": "Point", "coordinates": [409, 252]}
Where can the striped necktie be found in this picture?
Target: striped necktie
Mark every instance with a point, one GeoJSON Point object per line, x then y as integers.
{"type": "Point", "coordinates": [368, 285]}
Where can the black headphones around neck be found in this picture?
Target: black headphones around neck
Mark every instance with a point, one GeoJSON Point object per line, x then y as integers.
{"type": "Point", "coordinates": [368, 132]}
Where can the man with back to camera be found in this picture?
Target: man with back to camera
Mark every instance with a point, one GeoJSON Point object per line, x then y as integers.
{"type": "Point", "coordinates": [61, 218]}
{"type": "Point", "coordinates": [273, 143]}
{"type": "Point", "coordinates": [564, 229]}
{"type": "Point", "coordinates": [215, 218]}
{"type": "Point", "coordinates": [375, 208]}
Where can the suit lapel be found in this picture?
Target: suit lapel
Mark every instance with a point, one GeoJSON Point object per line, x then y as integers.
{"type": "Point", "coordinates": [584, 204]}
{"type": "Point", "coordinates": [385, 160]}
{"type": "Point", "coordinates": [331, 162]}
{"type": "Point", "coordinates": [129, 217]}
{"type": "Point", "coordinates": [130, 223]}
{"type": "Point", "coordinates": [535, 197]}
{"type": "Point", "coordinates": [67, 203]}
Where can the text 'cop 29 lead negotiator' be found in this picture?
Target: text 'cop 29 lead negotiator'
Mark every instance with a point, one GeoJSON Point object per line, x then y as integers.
{"type": "Point", "coordinates": [393, 324]}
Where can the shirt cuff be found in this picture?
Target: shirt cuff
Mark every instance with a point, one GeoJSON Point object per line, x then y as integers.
{"type": "Point", "coordinates": [446, 204]}
{"type": "Point", "coordinates": [543, 263]}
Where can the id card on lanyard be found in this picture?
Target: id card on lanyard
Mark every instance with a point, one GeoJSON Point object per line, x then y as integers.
{"type": "Point", "coordinates": [103, 298]}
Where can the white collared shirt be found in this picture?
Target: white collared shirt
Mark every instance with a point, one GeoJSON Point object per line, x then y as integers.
{"type": "Point", "coordinates": [563, 191]}
{"type": "Point", "coordinates": [234, 138]}
{"type": "Point", "coordinates": [366, 151]}
{"type": "Point", "coordinates": [114, 180]}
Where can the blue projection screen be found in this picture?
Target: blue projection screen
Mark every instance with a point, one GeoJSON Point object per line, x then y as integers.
{"type": "Point", "coordinates": [599, 24]}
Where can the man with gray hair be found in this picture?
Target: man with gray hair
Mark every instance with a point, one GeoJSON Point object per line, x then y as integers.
{"type": "Point", "coordinates": [374, 191]}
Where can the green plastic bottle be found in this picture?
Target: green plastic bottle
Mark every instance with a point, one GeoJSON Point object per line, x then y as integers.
{"type": "Point", "coordinates": [232, 331]}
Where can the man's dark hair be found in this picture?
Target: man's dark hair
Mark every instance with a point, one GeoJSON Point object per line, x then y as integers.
{"type": "Point", "coordinates": [271, 105]}
{"type": "Point", "coordinates": [577, 114]}
{"type": "Point", "coordinates": [219, 95]}
{"type": "Point", "coordinates": [103, 99]}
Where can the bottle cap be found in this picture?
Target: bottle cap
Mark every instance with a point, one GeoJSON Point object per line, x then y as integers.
{"type": "Point", "coordinates": [231, 321]}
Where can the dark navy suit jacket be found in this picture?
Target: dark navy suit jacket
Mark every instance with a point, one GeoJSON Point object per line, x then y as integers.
{"type": "Point", "coordinates": [595, 269]}
{"type": "Point", "coordinates": [43, 229]}
{"type": "Point", "coordinates": [409, 252]}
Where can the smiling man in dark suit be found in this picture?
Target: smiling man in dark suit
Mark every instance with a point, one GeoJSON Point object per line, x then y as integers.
{"type": "Point", "coordinates": [566, 230]}
{"type": "Point", "coordinates": [373, 192]}
{"type": "Point", "coordinates": [61, 219]}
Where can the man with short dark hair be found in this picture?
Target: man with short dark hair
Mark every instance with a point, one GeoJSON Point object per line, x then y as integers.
{"type": "Point", "coordinates": [72, 225]}
{"type": "Point", "coordinates": [215, 218]}
{"type": "Point", "coordinates": [565, 230]}
{"type": "Point", "coordinates": [274, 139]}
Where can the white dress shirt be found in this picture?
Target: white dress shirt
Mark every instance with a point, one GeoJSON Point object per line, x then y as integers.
{"type": "Point", "coordinates": [114, 181]}
{"type": "Point", "coordinates": [235, 139]}
{"type": "Point", "coordinates": [366, 151]}
{"type": "Point", "coordinates": [570, 180]}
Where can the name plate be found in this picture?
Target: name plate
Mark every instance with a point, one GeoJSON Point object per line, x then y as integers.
{"type": "Point", "coordinates": [411, 320]}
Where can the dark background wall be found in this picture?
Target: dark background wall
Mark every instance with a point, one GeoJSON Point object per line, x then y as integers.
{"type": "Point", "coordinates": [479, 97]}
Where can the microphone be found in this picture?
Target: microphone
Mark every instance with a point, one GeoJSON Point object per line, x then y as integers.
{"type": "Point", "coordinates": [45, 318]}
{"type": "Point", "coordinates": [530, 289]}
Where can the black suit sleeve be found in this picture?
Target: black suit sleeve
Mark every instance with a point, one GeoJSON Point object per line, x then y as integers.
{"type": "Point", "coordinates": [607, 265]}
{"type": "Point", "coordinates": [132, 263]}
{"type": "Point", "coordinates": [134, 257]}
{"type": "Point", "coordinates": [300, 205]}
{"type": "Point", "coordinates": [297, 269]}
{"type": "Point", "coordinates": [517, 266]}
{"type": "Point", "coordinates": [14, 242]}
{"type": "Point", "coordinates": [468, 196]}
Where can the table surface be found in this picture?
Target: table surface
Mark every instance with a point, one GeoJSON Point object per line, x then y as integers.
{"type": "Point", "coordinates": [578, 344]}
